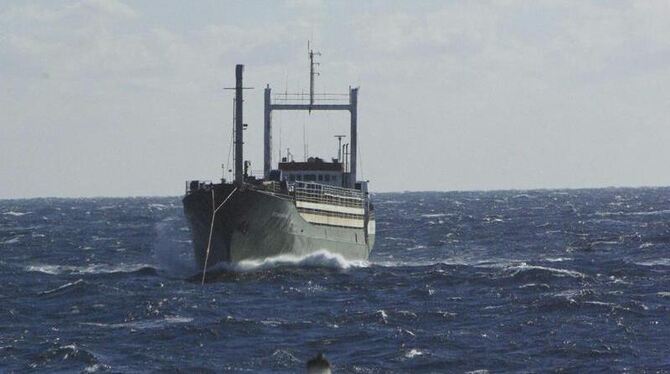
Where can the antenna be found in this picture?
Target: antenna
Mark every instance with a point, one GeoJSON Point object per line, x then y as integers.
{"type": "Point", "coordinates": [339, 146]}
{"type": "Point", "coordinates": [327, 102]}
{"type": "Point", "coordinates": [280, 140]}
{"type": "Point", "coordinates": [312, 74]}
{"type": "Point", "coordinates": [304, 141]}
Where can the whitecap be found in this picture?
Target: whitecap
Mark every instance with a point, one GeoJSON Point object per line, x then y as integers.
{"type": "Point", "coordinates": [320, 258]}
{"type": "Point", "coordinates": [13, 240]}
{"type": "Point", "coordinates": [651, 212]}
{"type": "Point", "coordinates": [383, 315]}
{"type": "Point", "coordinates": [407, 313]}
{"type": "Point", "coordinates": [16, 214]}
{"type": "Point", "coordinates": [63, 287]}
{"type": "Point", "coordinates": [88, 269]}
{"type": "Point", "coordinates": [96, 368]}
{"type": "Point", "coordinates": [516, 269]}
{"type": "Point", "coordinates": [656, 262]}
{"type": "Point", "coordinates": [144, 324]}
{"type": "Point", "coordinates": [604, 243]}
{"type": "Point", "coordinates": [284, 357]}
{"type": "Point", "coordinates": [271, 323]}
{"type": "Point", "coordinates": [533, 285]}
{"type": "Point", "coordinates": [433, 215]}
{"type": "Point", "coordinates": [601, 303]}
{"type": "Point", "coordinates": [416, 247]}
{"type": "Point", "coordinates": [643, 213]}
{"type": "Point", "coordinates": [413, 353]}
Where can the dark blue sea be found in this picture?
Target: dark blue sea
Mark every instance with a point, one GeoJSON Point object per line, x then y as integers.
{"type": "Point", "coordinates": [510, 281]}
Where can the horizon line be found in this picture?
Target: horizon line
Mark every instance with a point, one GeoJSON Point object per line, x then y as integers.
{"type": "Point", "coordinates": [373, 192]}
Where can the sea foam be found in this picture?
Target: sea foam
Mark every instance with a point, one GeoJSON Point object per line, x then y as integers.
{"type": "Point", "coordinates": [320, 258]}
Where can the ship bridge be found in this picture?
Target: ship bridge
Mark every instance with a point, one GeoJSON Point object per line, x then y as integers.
{"type": "Point", "coordinates": [314, 170]}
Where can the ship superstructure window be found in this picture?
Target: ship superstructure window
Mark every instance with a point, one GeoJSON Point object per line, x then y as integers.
{"type": "Point", "coordinates": [313, 170]}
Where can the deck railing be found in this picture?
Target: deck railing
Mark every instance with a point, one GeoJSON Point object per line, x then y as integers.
{"type": "Point", "coordinates": [325, 194]}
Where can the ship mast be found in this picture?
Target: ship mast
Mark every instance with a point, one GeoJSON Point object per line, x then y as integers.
{"type": "Point", "coordinates": [312, 73]}
{"type": "Point", "coordinates": [239, 125]}
{"type": "Point", "coordinates": [289, 101]}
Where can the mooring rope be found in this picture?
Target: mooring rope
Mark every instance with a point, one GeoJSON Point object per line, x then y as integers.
{"type": "Point", "coordinates": [211, 229]}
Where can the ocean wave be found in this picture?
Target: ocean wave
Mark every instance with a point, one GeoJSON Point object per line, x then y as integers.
{"type": "Point", "coordinates": [433, 215]}
{"type": "Point", "coordinates": [16, 214]}
{"type": "Point", "coordinates": [90, 269]}
{"type": "Point", "coordinates": [143, 324]}
{"type": "Point", "coordinates": [413, 353]}
{"type": "Point", "coordinates": [320, 258]}
{"type": "Point", "coordinates": [63, 288]}
{"type": "Point", "coordinates": [604, 243]}
{"type": "Point", "coordinates": [157, 206]}
{"type": "Point", "coordinates": [523, 269]}
{"type": "Point", "coordinates": [281, 358]}
{"type": "Point", "coordinates": [382, 316]}
{"type": "Point", "coordinates": [656, 262]}
{"type": "Point", "coordinates": [66, 353]}
{"type": "Point", "coordinates": [535, 285]}
{"type": "Point", "coordinates": [13, 240]}
{"type": "Point", "coordinates": [642, 213]}
{"type": "Point", "coordinates": [506, 268]}
{"type": "Point", "coordinates": [456, 261]}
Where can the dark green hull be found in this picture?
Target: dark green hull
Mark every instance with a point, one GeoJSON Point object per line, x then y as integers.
{"type": "Point", "coordinates": [255, 224]}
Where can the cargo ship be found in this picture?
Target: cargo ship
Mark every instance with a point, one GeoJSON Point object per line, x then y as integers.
{"type": "Point", "coordinates": [294, 208]}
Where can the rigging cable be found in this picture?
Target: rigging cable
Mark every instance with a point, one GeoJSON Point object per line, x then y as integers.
{"type": "Point", "coordinates": [211, 229]}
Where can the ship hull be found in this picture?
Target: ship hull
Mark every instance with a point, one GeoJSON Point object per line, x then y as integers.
{"type": "Point", "coordinates": [255, 224]}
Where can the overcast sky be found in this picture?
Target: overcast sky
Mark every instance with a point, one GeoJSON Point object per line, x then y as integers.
{"type": "Point", "coordinates": [111, 98]}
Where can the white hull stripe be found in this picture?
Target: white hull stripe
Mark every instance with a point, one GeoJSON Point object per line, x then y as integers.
{"type": "Point", "coordinates": [329, 208]}
{"type": "Point", "coordinates": [371, 227]}
{"type": "Point", "coordinates": [333, 221]}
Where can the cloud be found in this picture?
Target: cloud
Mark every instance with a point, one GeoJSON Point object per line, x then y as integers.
{"type": "Point", "coordinates": [80, 10]}
{"type": "Point", "coordinates": [303, 4]}
{"type": "Point", "coordinates": [108, 7]}
{"type": "Point", "coordinates": [581, 37]}
{"type": "Point", "coordinates": [520, 93]}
